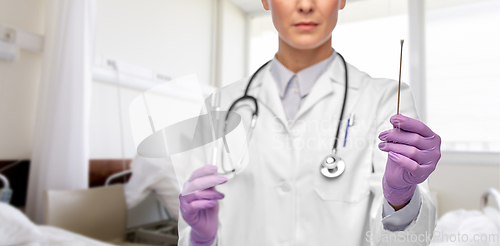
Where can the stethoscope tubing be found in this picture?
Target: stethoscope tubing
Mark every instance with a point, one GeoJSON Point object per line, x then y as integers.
{"type": "Point", "coordinates": [334, 149]}
{"type": "Point", "coordinates": [256, 112]}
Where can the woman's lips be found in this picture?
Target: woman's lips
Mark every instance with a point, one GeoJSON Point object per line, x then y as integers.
{"type": "Point", "coordinates": [306, 26]}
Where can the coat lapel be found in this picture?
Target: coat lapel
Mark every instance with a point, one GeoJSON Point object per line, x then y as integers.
{"type": "Point", "coordinates": [270, 97]}
{"type": "Point", "coordinates": [264, 88]}
{"type": "Point", "coordinates": [331, 82]}
{"type": "Point", "coordinates": [321, 89]}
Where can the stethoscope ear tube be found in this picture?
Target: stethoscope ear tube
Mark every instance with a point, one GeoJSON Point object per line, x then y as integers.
{"type": "Point", "coordinates": [248, 97]}
{"type": "Point", "coordinates": [245, 97]}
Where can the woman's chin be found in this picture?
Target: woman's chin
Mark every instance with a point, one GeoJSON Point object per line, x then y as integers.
{"type": "Point", "coordinates": [307, 43]}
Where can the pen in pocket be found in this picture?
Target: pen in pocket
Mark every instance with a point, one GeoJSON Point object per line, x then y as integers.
{"type": "Point", "coordinates": [350, 122]}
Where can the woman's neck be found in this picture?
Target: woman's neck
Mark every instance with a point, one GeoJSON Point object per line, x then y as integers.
{"type": "Point", "coordinates": [298, 59]}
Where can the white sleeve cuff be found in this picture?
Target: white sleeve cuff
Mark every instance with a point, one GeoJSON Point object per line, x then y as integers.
{"type": "Point", "coordinates": [214, 243]}
{"type": "Point", "coordinates": [399, 220]}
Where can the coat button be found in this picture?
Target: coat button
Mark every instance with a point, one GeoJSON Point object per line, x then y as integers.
{"type": "Point", "coordinates": [286, 187]}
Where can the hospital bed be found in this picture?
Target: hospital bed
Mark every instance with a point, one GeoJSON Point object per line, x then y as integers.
{"type": "Point", "coordinates": [494, 194]}
{"type": "Point", "coordinates": [101, 213]}
{"type": "Point", "coordinates": [145, 227]}
{"type": "Point", "coordinates": [17, 229]}
{"type": "Point", "coordinates": [5, 191]}
{"type": "Point", "coordinates": [98, 213]}
{"type": "Point", "coordinates": [93, 217]}
{"type": "Point", "coordinates": [472, 227]}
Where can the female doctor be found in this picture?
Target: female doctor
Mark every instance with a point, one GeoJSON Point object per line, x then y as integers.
{"type": "Point", "coordinates": [282, 197]}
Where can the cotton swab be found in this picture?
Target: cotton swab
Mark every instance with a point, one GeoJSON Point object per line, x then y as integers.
{"type": "Point", "coordinates": [400, 64]}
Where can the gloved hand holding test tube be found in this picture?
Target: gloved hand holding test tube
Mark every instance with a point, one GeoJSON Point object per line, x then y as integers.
{"type": "Point", "coordinates": [198, 202]}
{"type": "Point", "coordinates": [180, 134]}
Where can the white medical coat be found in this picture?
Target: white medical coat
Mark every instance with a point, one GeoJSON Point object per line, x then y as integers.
{"type": "Point", "coordinates": [282, 199]}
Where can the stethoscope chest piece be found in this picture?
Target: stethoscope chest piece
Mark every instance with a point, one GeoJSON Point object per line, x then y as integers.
{"type": "Point", "coordinates": [332, 166]}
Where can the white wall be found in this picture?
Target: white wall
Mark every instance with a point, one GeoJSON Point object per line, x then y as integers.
{"type": "Point", "coordinates": [164, 35]}
{"type": "Point", "coordinates": [460, 186]}
{"type": "Point", "coordinates": [19, 81]}
{"type": "Point", "coordinates": [168, 36]}
{"type": "Point", "coordinates": [171, 36]}
{"type": "Point", "coordinates": [233, 44]}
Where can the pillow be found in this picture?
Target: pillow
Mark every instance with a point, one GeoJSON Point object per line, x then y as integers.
{"type": "Point", "coordinates": [15, 227]}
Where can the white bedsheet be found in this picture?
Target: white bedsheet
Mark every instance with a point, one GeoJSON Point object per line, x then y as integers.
{"type": "Point", "coordinates": [468, 228]}
{"type": "Point", "coordinates": [53, 236]}
{"type": "Point", "coordinates": [16, 229]}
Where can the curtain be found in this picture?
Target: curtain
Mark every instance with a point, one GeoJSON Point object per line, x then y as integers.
{"type": "Point", "coordinates": [60, 145]}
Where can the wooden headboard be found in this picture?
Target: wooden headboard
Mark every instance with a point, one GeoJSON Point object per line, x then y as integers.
{"type": "Point", "coordinates": [101, 169]}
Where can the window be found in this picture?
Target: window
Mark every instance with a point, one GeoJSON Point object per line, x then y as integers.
{"type": "Point", "coordinates": [463, 73]}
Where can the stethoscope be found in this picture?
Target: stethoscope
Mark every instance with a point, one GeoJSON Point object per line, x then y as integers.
{"type": "Point", "coordinates": [331, 166]}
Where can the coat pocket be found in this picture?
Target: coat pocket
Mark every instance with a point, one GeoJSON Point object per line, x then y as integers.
{"type": "Point", "coordinates": [352, 186]}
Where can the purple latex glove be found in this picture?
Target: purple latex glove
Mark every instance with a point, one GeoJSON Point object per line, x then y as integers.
{"type": "Point", "coordinates": [414, 150]}
{"type": "Point", "coordinates": [199, 206]}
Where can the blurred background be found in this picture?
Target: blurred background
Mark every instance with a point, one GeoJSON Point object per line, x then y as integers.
{"type": "Point", "coordinates": [116, 49]}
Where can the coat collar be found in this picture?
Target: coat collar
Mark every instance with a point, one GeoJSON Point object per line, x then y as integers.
{"type": "Point", "coordinates": [266, 91]}
{"type": "Point", "coordinates": [307, 77]}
